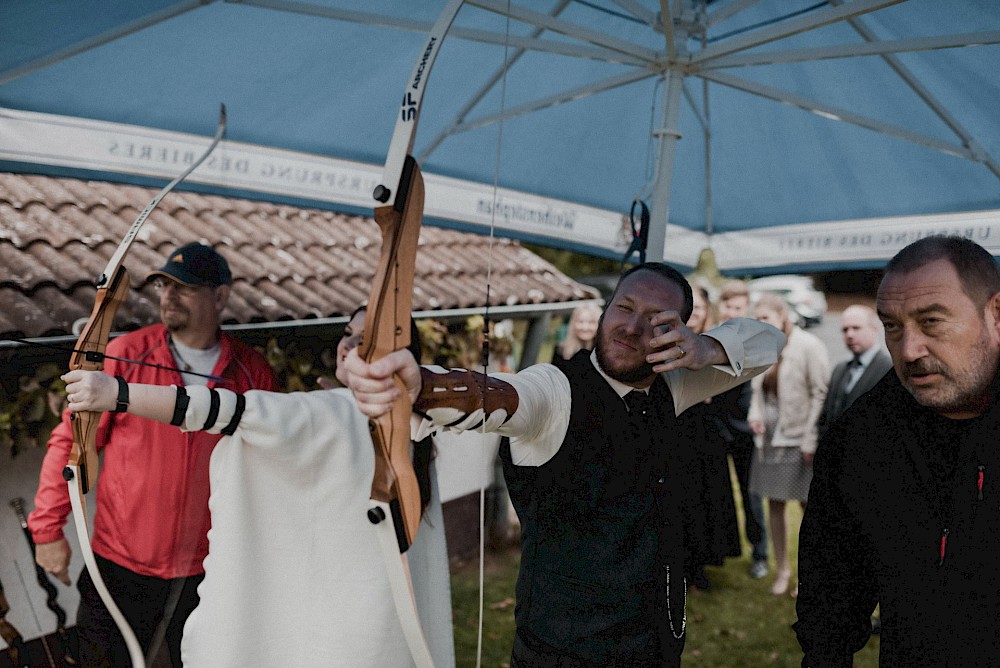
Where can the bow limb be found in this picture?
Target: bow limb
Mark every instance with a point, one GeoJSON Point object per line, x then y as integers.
{"type": "Point", "coordinates": [395, 495]}
{"type": "Point", "coordinates": [82, 467]}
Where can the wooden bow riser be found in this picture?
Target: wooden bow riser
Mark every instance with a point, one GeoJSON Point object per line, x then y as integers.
{"type": "Point", "coordinates": [395, 482]}
{"type": "Point", "coordinates": [387, 330]}
{"type": "Point", "coordinates": [88, 355]}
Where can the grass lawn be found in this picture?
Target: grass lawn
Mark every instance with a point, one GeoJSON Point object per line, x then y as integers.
{"type": "Point", "coordinates": [736, 624]}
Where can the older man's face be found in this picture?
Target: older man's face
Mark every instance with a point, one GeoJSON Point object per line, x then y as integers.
{"type": "Point", "coordinates": [190, 310]}
{"type": "Point", "coordinates": [945, 348]}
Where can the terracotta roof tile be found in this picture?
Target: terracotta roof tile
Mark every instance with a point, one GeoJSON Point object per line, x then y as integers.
{"type": "Point", "coordinates": [289, 263]}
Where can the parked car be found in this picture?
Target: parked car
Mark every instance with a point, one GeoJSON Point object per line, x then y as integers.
{"type": "Point", "coordinates": [808, 304]}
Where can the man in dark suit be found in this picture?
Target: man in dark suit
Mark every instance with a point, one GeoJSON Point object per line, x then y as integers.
{"type": "Point", "coordinates": [852, 378]}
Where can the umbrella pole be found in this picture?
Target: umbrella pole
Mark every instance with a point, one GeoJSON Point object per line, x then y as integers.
{"type": "Point", "coordinates": [668, 134]}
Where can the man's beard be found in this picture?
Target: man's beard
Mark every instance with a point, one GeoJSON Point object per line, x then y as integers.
{"type": "Point", "coordinates": [630, 375]}
{"type": "Point", "coordinates": [964, 388]}
{"type": "Point", "coordinates": [175, 321]}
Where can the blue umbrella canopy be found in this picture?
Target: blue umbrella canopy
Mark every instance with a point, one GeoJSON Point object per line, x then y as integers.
{"type": "Point", "coordinates": [781, 133]}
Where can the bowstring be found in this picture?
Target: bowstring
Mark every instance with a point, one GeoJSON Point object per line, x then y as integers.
{"type": "Point", "coordinates": [486, 328]}
{"type": "Point", "coordinates": [92, 356]}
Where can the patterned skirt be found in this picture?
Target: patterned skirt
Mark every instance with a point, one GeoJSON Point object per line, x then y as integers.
{"type": "Point", "coordinates": [778, 472]}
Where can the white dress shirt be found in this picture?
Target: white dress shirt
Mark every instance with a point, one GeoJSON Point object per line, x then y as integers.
{"type": "Point", "coordinates": [539, 424]}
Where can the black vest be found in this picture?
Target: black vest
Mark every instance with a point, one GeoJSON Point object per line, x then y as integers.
{"type": "Point", "coordinates": [602, 544]}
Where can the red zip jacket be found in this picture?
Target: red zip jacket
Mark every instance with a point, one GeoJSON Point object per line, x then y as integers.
{"type": "Point", "coordinates": [152, 512]}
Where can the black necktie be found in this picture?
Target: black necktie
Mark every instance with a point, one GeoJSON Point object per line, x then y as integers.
{"type": "Point", "coordinates": [638, 403]}
{"type": "Point", "coordinates": [852, 368]}
{"type": "Point", "coordinates": [635, 460]}
{"type": "Point", "coordinates": [846, 386]}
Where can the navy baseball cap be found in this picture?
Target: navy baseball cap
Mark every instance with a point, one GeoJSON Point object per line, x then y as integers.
{"type": "Point", "coordinates": [196, 264]}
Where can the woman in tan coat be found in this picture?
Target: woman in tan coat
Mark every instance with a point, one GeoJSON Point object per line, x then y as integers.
{"type": "Point", "coordinates": [787, 401]}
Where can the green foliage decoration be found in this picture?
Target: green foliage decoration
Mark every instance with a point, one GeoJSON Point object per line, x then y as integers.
{"type": "Point", "coordinates": [35, 409]}
{"type": "Point", "coordinates": [27, 419]}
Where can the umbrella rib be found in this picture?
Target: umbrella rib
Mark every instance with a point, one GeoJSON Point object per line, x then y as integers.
{"type": "Point", "coordinates": [937, 107]}
{"type": "Point", "coordinates": [550, 46]}
{"type": "Point", "coordinates": [350, 16]}
{"type": "Point", "coordinates": [837, 114]}
{"type": "Point", "coordinates": [735, 7]}
{"type": "Point", "coordinates": [638, 11]}
{"type": "Point", "coordinates": [668, 31]}
{"type": "Point", "coordinates": [558, 98]}
{"type": "Point", "coordinates": [567, 28]}
{"type": "Point", "coordinates": [471, 34]}
{"type": "Point", "coordinates": [476, 97]}
{"type": "Point", "coordinates": [95, 41]}
{"type": "Point", "coordinates": [872, 48]}
{"type": "Point", "coordinates": [794, 26]}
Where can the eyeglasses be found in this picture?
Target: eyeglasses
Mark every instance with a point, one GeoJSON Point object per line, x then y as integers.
{"type": "Point", "coordinates": [161, 284]}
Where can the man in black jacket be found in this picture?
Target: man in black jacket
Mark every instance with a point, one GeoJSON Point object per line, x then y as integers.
{"type": "Point", "coordinates": [902, 511]}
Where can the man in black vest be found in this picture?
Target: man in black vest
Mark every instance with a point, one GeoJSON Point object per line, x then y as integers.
{"type": "Point", "coordinates": [869, 362]}
{"type": "Point", "coordinates": [596, 467]}
{"type": "Point", "coordinates": [903, 509]}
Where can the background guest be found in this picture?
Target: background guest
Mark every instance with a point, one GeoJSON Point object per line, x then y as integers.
{"type": "Point", "coordinates": [787, 400]}
{"type": "Point", "coordinates": [734, 302]}
{"type": "Point", "coordinates": [580, 333]}
{"type": "Point", "coordinates": [701, 318]}
{"type": "Point", "coordinates": [712, 523]}
{"type": "Point", "coordinates": [151, 525]}
{"type": "Point", "coordinates": [862, 333]}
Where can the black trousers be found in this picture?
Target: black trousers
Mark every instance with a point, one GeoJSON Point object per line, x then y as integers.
{"type": "Point", "coordinates": [530, 652]}
{"type": "Point", "coordinates": [742, 450]}
{"type": "Point", "coordinates": [142, 599]}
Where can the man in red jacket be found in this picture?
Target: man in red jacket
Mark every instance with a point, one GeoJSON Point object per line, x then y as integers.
{"type": "Point", "coordinates": [152, 518]}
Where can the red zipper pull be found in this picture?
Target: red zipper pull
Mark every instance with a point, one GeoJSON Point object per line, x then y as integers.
{"type": "Point", "coordinates": [944, 545]}
{"type": "Point", "coordinates": [981, 480]}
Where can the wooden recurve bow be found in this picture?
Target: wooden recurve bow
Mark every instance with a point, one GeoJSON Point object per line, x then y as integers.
{"type": "Point", "coordinates": [82, 468]}
{"type": "Point", "coordinates": [396, 506]}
